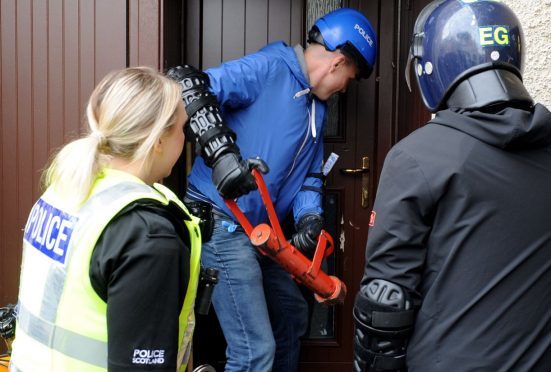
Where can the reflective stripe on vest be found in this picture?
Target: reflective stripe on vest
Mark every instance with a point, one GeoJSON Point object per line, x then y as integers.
{"type": "Point", "coordinates": [47, 320]}
{"type": "Point", "coordinates": [69, 343]}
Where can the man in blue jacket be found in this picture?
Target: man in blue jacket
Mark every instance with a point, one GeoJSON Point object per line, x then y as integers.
{"type": "Point", "coordinates": [272, 103]}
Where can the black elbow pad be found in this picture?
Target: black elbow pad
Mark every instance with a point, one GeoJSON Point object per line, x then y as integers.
{"type": "Point", "coordinates": [383, 318]}
{"type": "Point", "coordinates": [212, 137]}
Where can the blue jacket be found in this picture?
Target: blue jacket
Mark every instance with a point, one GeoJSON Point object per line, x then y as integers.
{"type": "Point", "coordinates": [259, 101]}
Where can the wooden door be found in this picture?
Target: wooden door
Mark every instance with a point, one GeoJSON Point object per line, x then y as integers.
{"type": "Point", "coordinates": [362, 126]}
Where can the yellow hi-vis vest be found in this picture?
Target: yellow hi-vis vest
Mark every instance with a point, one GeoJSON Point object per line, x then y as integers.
{"type": "Point", "coordinates": [61, 323]}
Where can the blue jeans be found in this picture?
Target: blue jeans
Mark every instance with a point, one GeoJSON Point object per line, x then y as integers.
{"type": "Point", "coordinates": [260, 308]}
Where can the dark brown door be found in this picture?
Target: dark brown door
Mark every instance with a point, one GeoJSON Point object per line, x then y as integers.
{"type": "Point", "coordinates": [362, 126]}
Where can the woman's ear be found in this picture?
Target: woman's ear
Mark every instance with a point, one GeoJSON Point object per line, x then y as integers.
{"type": "Point", "coordinates": [158, 147]}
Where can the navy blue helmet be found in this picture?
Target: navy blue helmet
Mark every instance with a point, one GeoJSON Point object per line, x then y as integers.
{"type": "Point", "coordinates": [455, 39]}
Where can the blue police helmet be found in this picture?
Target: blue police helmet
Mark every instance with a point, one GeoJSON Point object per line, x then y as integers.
{"type": "Point", "coordinates": [455, 39]}
{"type": "Point", "coordinates": [349, 31]}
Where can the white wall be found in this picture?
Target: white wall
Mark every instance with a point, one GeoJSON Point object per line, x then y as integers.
{"type": "Point", "coordinates": [535, 17]}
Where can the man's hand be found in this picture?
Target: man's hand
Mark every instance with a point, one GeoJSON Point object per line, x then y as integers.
{"type": "Point", "coordinates": [232, 175]}
{"type": "Point", "coordinates": [308, 230]}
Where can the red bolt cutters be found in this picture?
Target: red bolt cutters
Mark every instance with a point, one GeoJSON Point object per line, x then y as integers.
{"type": "Point", "coordinates": [271, 242]}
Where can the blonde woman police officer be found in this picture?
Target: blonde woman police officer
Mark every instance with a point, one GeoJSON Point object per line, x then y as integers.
{"type": "Point", "coordinates": [110, 257]}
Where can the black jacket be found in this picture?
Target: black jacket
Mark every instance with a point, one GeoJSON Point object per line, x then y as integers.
{"type": "Point", "coordinates": [463, 222]}
{"type": "Point", "coordinates": [140, 268]}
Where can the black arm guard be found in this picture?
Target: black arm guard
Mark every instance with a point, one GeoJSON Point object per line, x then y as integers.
{"type": "Point", "coordinates": [215, 141]}
{"type": "Point", "coordinates": [212, 137]}
{"type": "Point", "coordinates": [383, 318]}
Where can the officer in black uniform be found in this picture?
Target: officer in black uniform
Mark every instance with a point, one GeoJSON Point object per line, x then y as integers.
{"type": "Point", "coordinates": [458, 259]}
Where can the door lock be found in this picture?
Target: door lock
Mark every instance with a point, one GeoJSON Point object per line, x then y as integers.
{"type": "Point", "coordinates": [364, 171]}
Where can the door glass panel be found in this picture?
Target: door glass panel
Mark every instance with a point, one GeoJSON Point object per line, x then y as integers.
{"type": "Point", "coordinates": [317, 8]}
{"type": "Point", "coordinates": [322, 318]}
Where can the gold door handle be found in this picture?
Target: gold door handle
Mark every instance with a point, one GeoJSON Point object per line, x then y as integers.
{"type": "Point", "coordinates": [364, 171]}
{"type": "Point", "coordinates": [354, 171]}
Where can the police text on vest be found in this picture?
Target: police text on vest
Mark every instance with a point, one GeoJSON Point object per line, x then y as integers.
{"type": "Point", "coordinates": [49, 230]}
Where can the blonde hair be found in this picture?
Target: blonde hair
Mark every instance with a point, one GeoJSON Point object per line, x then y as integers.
{"type": "Point", "coordinates": [127, 113]}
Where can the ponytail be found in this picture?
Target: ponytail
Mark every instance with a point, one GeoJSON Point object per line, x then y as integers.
{"type": "Point", "coordinates": [127, 113]}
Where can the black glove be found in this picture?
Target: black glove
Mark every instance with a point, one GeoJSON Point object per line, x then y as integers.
{"type": "Point", "coordinates": [232, 175]}
{"type": "Point", "coordinates": [308, 230]}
